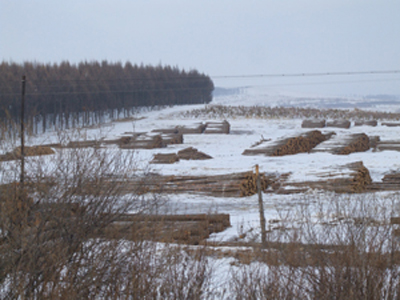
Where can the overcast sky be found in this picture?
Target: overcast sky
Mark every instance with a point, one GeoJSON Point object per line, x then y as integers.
{"type": "Point", "coordinates": [218, 37]}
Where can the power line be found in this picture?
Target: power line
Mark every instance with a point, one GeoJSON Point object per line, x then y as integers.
{"type": "Point", "coordinates": [309, 74]}
{"type": "Point", "coordinates": [196, 77]}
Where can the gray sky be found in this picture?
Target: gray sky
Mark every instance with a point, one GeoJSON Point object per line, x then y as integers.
{"type": "Point", "coordinates": [219, 37]}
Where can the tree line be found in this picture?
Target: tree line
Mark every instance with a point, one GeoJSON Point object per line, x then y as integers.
{"type": "Point", "coordinates": [67, 95]}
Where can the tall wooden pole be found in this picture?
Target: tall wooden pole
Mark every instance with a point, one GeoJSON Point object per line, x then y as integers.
{"type": "Point", "coordinates": [22, 131]}
{"type": "Point", "coordinates": [260, 207]}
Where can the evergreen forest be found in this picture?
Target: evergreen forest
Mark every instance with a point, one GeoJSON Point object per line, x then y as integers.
{"type": "Point", "coordinates": [64, 95]}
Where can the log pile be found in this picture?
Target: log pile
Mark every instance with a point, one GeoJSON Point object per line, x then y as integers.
{"type": "Point", "coordinates": [374, 141]}
{"type": "Point", "coordinates": [165, 158]}
{"type": "Point", "coordinates": [390, 124]}
{"type": "Point", "coordinates": [172, 139]}
{"type": "Point", "coordinates": [217, 127]}
{"type": "Point", "coordinates": [227, 185]}
{"type": "Point", "coordinates": [346, 144]}
{"type": "Point", "coordinates": [191, 229]}
{"type": "Point", "coordinates": [84, 144]}
{"type": "Point", "coordinates": [313, 124]}
{"type": "Point", "coordinates": [358, 143]}
{"type": "Point", "coordinates": [300, 144]}
{"type": "Point", "coordinates": [339, 124]}
{"type": "Point", "coordinates": [142, 142]}
{"type": "Point", "coordinates": [195, 129]}
{"type": "Point", "coordinates": [350, 178]}
{"type": "Point", "coordinates": [28, 151]}
{"type": "Point", "coordinates": [387, 145]}
{"type": "Point", "coordinates": [187, 154]}
{"type": "Point", "coordinates": [192, 154]}
{"type": "Point", "coordinates": [366, 123]}
{"type": "Point", "coordinates": [390, 182]}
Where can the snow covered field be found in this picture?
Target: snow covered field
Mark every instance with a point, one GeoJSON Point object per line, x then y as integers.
{"type": "Point", "coordinates": [283, 212]}
{"type": "Point", "coordinates": [227, 149]}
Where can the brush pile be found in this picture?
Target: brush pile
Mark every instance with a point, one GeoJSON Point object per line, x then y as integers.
{"type": "Point", "coordinates": [28, 151]}
{"type": "Point", "coordinates": [300, 144]}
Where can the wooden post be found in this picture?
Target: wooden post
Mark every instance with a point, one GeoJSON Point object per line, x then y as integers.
{"type": "Point", "coordinates": [22, 175]}
{"type": "Point", "coordinates": [260, 206]}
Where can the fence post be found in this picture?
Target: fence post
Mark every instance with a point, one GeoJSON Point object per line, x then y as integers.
{"type": "Point", "coordinates": [260, 206]}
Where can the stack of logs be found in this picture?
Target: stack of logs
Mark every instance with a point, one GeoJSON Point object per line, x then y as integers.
{"type": "Point", "coordinates": [191, 229]}
{"type": "Point", "coordinates": [350, 143]}
{"type": "Point", "coordinates": [390, 182]}
{"type": "Point", "coordinates": [28, 151]}
{"type": "Point", "coordinates": [217, 127]}
{"type": "Point", "coordinates": [188, 154]}
{"type": "Point", "coordinates": [300, 144]}
{"type": "Point", "coordinates": [350, 178]}
{"type": "Point", "coordinates": [357, 143]}
{"type": "Point", "coordinates": [192, 154]}
{"type": "Point", "coordinates": [228, 185]}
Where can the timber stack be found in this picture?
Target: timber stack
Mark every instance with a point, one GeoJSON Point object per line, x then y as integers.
{"type": "Point", "coordinates": [349, 178]}
{"type": "Point", "coordinates": [192, 154]}
{"type": "Point", "coordinates": [28, 151]}
{"type": "Point", "coordinates": [390, 182]}
{"type": "Point", "coordinates": [186, 154]}
{"type": "Point", "coordinates": [190, 229]}
{"type": "Point", "coordinates": [165, 158]}
{"type": "Point", "coordinates": [346, 144]}
{"type": "Point", "coordinates": [227, 185]}
{"type": "Point", "coordinates": [293, 145]}
{"type": "Point", "coordinates": [339, 124]}
{"type": "Point", "coordinates": [366, 123]}
{"type": "Point", "coordinates": [217, 127]}
{"type": "Point", "coordinates": [313, 124]}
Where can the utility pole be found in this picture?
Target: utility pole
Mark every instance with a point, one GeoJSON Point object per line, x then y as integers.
{"type": "Point", "coordinates": [260, 207]}
{"type": "Point", "coordinates": [22, 132]}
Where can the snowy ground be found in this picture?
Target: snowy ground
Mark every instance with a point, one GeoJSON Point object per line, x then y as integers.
{"type": "Point", "coordinates": [226, 151]}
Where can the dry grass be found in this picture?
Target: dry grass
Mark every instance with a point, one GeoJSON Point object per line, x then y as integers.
{"type": "Point", "coordinates": [226, 112]}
